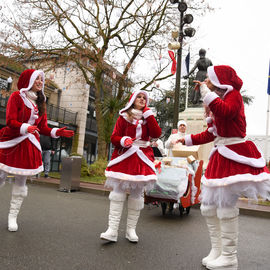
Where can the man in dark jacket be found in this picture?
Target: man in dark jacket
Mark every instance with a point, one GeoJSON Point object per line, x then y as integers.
{"type": "Point", "coordinates": [47, 150]}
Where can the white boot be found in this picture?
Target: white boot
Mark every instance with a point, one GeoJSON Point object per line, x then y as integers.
{"type": "Point", "coordinates": [116, 207]}
{"type": "Point", "coordinates": [134, 208]}
{"type": "Point", "coordinates": [213, 224]}
{"type": "Point", "coordinates": [18, 195]}
{"type": "Point", "coordinates": [3, 176]}
{"type": "Point", "coordinates": [229, 238]}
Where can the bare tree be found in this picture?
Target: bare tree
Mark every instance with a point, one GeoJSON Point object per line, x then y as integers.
{"type": "Point", "coordinates": [95, 35]}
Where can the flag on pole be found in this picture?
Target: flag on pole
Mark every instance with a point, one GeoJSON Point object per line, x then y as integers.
{"type": "Point", "coordinates": [268, 88]}
{"type": "Point", "coordinates": [185, 65]}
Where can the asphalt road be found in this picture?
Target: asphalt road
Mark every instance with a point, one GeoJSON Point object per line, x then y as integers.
{"type": "Point", "coordinates": [60, 230]}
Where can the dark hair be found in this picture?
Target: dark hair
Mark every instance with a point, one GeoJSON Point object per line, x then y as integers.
{"type": "Point", "coordinates": [41, 103]}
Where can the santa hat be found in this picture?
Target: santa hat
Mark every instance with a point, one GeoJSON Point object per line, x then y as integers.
{"type": "Point", "coordinates": [27, 79]}
{"type": "Point", "coordinates": [224, 77]}
{"type": "Point", "coordinates": [181, 122]}
{"type": "Point", "coordinates": [132, 99]}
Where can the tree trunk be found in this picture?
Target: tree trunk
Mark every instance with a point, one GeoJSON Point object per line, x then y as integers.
{"type": "Point", "coordinates": [102, 149]}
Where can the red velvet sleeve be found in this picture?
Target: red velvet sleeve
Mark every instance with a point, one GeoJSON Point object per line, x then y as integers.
{"type": "Point", "coordinates": [43, 126]}
{"type": "Point", "coordinates": [153, 127]}
{"type": "Point", "coordinates": [118, 132]}
{"type": "Point", "coordinates": [229, 107]}
{"type": "Point", "coordinates": [14, 110]}
{"type": "Point", "coordinates": [202, 138]}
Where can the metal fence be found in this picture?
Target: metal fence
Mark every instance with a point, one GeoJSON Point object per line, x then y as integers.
{"type": "Point", "coordinates": [61, 115]}
{"type": "Point", "coordinates": [91, 124]}
{"type": "Point", "coordinates": [54, 113]}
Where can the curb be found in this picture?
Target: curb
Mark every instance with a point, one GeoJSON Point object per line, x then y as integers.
{"type": "Point", "coordinates": [245, 207]}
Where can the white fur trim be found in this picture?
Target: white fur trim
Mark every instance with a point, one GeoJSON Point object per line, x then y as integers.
{"type": "Point", "coordinates": [209, 98]}
{"type": "Point", "coordinates": [34, 76]}
{"type": "Point", "coordinates": [26, 101]}
{"type": "Point", "coordinates": [122, 141]}
{"type": "Point", "coordinates": [13, 142]}
{"type": "Point", "coordinates": [226, 213]}
{"type": "Point", "coordinates": [133, 149]}
{"type": "Point", "coordinates": [214, 79]}
{"type": "Point", "coordinates": [53, 133]}
{"type": "Point", "coordinates": [131, 101]}
{"type": "Point", "coordinates": [225, 181]}
{"type": "Point", "coordinates": [127, 154]}
{"type": "Point", "coordinates": [211, 129]}
{"type": "Point", "coordinates": [116, 196]}
{"type": "Point", "coordinates": [128, 177]}
{"type": "Point", "coordinates": [145, 159]}
{"type": "Point", "coordinates": [209, 120]}
{"type": "Point", "coordinates": [139, 130]}
{"type": "Point", "coordinates": [135, 204]}
{"type": "Point", "coordinates": [18, 171]}
{"type": "Point", "coordinates": [188, 140]}
{"type": "Point", "coordinates": [228, 153]}
{"type": "Point", "coordinates": [23, 128]}
{"type": "Point", "coordinates": [147, 113]}
{"type": "Point", "coordinates": [208, 210]}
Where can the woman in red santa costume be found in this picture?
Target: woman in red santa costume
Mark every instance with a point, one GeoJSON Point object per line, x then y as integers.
{"type": "Point", "coordinates": [131, 168]}
{"type": "Point", "coordinates": [20, 150]}
{"type": "Point", "coordinates": [236, 167]}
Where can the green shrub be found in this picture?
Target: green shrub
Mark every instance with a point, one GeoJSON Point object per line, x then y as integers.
{"type": "Point", "coordinates": [98, 167]}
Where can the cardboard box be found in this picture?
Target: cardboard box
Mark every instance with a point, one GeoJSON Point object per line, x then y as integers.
{"type": "Point", "coordinates": [185, 151]}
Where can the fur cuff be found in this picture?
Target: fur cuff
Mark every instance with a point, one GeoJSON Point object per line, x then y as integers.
{"type": "Point", "coordinates": [122, 141]}
{"type": "Point", "coordinates": [53, 133]}
{"type": "Point", "coordinates": [135, 204]}
{"type": "Point", "coordinates": [147, 113]}
{"type": "Point", "coordinates": [23, 128]}
{"type": "Point", "coordinates": [227, 213]}
{"type": "Point", "coordinates": [208, 210]}
{"type": "Point", "coordinates": [19, 191]}
{"type": "Point", "coordinates": [119, 197]}
{"type": "Point", "coordinates": [188, 140]}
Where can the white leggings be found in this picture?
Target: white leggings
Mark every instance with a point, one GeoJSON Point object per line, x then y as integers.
{"type": "Point", "coordinates": [135, 193]}
{"type": "Point", "coordinates": [20, 180]}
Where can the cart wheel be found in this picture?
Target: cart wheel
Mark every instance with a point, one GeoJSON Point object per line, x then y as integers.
{"type": "Point", "coordinates": [188, 210]}
{"type": "Point", "coordinates": [171, 208]}
{"type": "Point", "coordinates": [181, 210]}
{"type": "Point", "coordinates": [163, 206]}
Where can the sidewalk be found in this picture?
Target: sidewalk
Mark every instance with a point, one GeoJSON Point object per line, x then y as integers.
{"type": "Point", "coordinates": [246, 207]}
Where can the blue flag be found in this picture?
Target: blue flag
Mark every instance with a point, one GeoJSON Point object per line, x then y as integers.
{"type": "Point", "coordinates": [185, 65]}
{"type": "Point", "coordinates": [268, 88]}
{"type": "Point", "coordinates": [187, 60]}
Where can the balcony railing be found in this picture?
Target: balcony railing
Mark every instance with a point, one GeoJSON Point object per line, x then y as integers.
{"type": "Point", "coordinates": [91, 124]}
{"type": "Point", "coordinates": [61, 115]}
{"type": "Point", "coordinates": [54, 113]}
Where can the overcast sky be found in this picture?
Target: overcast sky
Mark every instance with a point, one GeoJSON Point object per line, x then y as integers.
{"type": "Point", "coordinates": [237, 34]}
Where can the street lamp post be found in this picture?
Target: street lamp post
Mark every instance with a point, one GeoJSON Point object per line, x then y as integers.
{"type": "Point", "coordinates": [184, 19]}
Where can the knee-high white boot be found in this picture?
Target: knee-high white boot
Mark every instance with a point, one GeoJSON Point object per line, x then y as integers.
{"type": "Point", "coordinates": [116, 207]}
{"type": "Point", "coordinates": [229, 239]}
{"type": "Point", "coordinates": [213, 224]}
{"type": "Point", "coordinates": [18, 195]}
{"type": "Point", "coordinates": [3, 176]}
{"type": "Point", "coordinates": [134, 208]}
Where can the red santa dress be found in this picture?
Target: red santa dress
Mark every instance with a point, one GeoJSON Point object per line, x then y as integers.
{"type": "Point", "coordinates": [236, 167]}
{"type": "Point", "coordinates": [20, 151]}
{"type": "Point", "coordinates": [132, 167]}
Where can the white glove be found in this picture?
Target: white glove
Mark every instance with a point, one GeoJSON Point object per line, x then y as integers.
{"type": "Point", "coordinates": [204, 90]}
